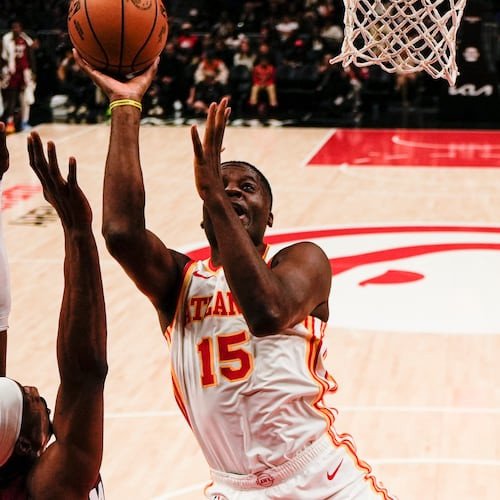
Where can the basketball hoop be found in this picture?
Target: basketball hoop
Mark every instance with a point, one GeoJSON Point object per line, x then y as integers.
{"type": "Point", "coordinates": [402, 36]}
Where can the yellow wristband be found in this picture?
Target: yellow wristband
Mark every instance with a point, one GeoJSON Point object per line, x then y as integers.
{"type": "Point", "coordinates": [125, 102]}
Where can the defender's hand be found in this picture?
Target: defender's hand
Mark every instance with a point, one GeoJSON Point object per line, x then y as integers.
{"type": "Point", "coordinates": [207, 156]}
{"type": "Point", "coordinates": [64, 195]}
{"type": "Point", "coordinates": [135, 88]}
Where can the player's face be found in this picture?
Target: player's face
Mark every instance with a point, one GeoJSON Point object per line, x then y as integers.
{"type": "Point", "coordinates": [16, 28]}
{"type": "Point", "coordinates": [36, 425]}
{"type": "Point", "coordinates": [250, 201]}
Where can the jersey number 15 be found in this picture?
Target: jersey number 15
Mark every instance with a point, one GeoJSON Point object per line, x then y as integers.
{"type": "Point", "coordinates": [234, 362]}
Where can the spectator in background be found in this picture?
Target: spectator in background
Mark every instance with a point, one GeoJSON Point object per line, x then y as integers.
{"type": "Point", "coordinates": [249, 20]}
{"type": "Point", "coordinates": [264, 79]}
{"type": "Point", "coordinates": [265, 50]}
{"type": "Point", "coordinates": [337, 90]}
{"type": "Point", "coordinates": [204, 92]}
{"type": "Point", "coordinates": [80, 90]}
{"type": "Point", "coordinates": [224, 27]}
{"type": "Point", "coordinates": [223, 52]}
{"type": "Point", "coordinates": [332, 34]}
{"type": "Point", "coordinates": [244, 56]}
{"type": "Point", "coordinates": [169, 83]}
{"type": "Point", "coordinates": [286, 28]}
{"type": "Point", "coordinates": [187, 42]}
{"type": "Point", "coordinates": [19, 79]}
{"type": "Point", "coordinates": [210, 64]}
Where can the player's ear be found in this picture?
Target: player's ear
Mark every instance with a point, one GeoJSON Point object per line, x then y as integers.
{"type": "Point", "coordinates": [270, 219]}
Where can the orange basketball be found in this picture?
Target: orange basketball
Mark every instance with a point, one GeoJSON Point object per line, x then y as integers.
{"type": "Point", "coordinates": [118, 36]}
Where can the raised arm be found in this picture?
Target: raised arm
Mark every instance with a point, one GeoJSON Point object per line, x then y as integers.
{"type": "Point", "coordinates": [70, 466]}
{"type": "Point", "coordinates": [272, 299]}
{"type": "Point", "coordinates": [4, 271]}
{"type": "Point", "coordinates": [155, 269]}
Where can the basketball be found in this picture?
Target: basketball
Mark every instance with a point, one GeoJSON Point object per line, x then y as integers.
{"type": "Point", "coordinates": [118, 37]}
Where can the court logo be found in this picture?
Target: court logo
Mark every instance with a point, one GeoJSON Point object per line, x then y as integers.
{"type": "Point", "coordinates": [420, 278]}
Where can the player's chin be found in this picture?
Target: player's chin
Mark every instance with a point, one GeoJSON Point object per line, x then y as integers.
{"type": "Point", "coordinates": [245, 221]}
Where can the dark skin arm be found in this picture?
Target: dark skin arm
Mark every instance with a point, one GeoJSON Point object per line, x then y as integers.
{"type": "Point", "coordinates": [4, 166]}
{"type": "Point", "coordinates": [70, 466]}
{"type": "Point", "coordinates": [155, 269]}
{"type": "Point", "coordinates": [298, 282]}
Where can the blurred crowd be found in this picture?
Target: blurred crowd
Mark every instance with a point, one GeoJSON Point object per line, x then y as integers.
{"type": "Point", "coordinates": [269, 56]}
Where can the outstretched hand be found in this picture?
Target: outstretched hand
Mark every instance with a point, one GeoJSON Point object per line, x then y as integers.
{"type": "Point", "coordinates": [4, 152]}
{"type": "Point", "coordinates": [207, 155]}
{"type": "Point", "coordinates": [64, 195]}
{"type": "Point", "coordinates": [135, 88]}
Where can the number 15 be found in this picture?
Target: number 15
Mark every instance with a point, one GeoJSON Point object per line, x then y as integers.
{"type": "Point", "coordinates": [235, 363]}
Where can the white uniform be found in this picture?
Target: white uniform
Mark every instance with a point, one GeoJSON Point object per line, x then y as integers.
{"type": "Point", "coordinates": [97, 493]}
{"type": "Point", "coordinates": [256, 404]}
{"type": "Point", "coordinates": [4, 279]}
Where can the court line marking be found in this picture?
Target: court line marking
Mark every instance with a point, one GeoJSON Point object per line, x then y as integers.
{"type": "Point", "coordinates": [84, 131]}
{"type": "Point", "coordinates": [454, 410]}
{"type": "Point", "coordinates": [381, 461]}
{"type": "Point", "coordinates": [455, 146]}
{"type": "Point", "coordinates": [315, 149]}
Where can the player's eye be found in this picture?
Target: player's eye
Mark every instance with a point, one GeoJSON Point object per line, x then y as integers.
{"type": "Point", "coordinates": [249, 188]}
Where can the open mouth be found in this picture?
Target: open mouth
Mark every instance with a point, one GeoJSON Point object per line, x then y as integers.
{"type": "Point", "coordinates": [240, 211]}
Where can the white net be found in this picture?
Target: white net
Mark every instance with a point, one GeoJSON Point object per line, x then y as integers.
{"type": "Point", "coordinates": [402, 36]}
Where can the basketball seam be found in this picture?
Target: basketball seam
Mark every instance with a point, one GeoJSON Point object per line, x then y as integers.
{"type": "Point", "coordinates": [132, 64]}
{"type": "Point", "coordinates": [122, 38]}
{"type": "Point", "coordinates": [95, 36]}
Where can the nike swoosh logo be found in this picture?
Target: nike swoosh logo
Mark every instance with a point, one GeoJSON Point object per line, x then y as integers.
{"type": "Point", "coordinates": [333, 474]}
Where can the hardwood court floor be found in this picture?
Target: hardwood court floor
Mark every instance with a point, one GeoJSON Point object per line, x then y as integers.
{"type": "Point", "coordinates": [413, 338]}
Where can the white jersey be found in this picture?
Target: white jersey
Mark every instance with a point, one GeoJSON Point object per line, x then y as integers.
{"type": "Point", "coordinates": [4, 278]}
{"type": "Point", "coordinates": [253, 403]}
{"type": "Point", "coordinates": [97, 493]}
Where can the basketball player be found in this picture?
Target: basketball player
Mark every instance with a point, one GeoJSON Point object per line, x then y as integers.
{"type": "Point", "coordinates": [68, 468]}
{"type": "Point", "coordinates": [245, 326]}
{"type": "Point", "coordinates": [19, 85]}
{"type": "Point", "coordinates": [4, 270]}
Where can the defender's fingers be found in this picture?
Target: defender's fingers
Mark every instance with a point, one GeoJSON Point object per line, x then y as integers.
{"type": "Point", "coordinates": [30, 151]}
{"type": "Point", "coordinates": [54, 171]}
{"type": "Point", "coordinates": [197, 146]}
{"type": "Point", "coordinates": [210, 125]}
{"type": "Point", "coordinates": [72, 172]}
{"type": "Point", "coordinates": [36, 157]}
{"type": "Point", "coordinates": [221, 125]}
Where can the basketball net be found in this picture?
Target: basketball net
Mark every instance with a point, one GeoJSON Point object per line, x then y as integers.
{"type": "Point", "coordinates": [402, 36]}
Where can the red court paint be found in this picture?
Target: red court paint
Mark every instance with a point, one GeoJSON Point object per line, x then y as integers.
{"type": "Point", "coordinates": [409, 148]}
{"type": "Point", "coordinates": [18, 193]}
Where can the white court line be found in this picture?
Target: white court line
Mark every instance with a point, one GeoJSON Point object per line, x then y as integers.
{"type": "Point", "coordinates": [70, 137]}
{"type": "Point", "coordinates": [314, 150]}
{"type": "Point", "coordinates": [457, 410]}
{"type": "Point", "coordinates": [375, 461]}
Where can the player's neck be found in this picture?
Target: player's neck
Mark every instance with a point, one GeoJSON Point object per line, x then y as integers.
{"type": "Point", "coordinates": [215, 257]}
